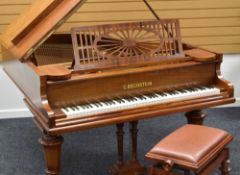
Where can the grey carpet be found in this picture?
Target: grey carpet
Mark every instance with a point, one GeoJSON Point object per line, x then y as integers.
{"type": "Point", "coordinates": [91, 152]}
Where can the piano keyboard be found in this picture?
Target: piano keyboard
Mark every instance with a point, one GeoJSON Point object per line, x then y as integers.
{"type": "Point", "coordinates": [138, 101]}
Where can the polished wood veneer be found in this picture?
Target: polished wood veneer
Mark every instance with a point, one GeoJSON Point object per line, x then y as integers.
{"type": "Point", "coordinates": [58, 70]}
{"type": "Point", "coordinates": [49, 87]}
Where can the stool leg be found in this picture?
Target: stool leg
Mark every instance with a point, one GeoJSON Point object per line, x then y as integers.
{"type": "Point", "coordinates": [225, 166]}
{"type": "Point", "coordinates": [158, 169]}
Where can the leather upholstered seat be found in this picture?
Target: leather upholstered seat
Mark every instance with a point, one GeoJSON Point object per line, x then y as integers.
{"type": "Point", "coordinates": [191, 146]}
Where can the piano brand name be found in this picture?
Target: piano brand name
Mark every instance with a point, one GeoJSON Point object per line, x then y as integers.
{"type": "Point", "coordinates": [137, 85]}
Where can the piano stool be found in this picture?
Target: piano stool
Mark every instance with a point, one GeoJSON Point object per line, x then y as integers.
{"type": "Point", "coordinates": [191, 148]}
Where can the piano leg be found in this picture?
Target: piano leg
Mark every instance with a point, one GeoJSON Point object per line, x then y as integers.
{"type": "Point", "coordinates": [196, 117]}
{"type": "Point", "coordinates": [134, 164]}
{"type": "Point", "coordinates": [120, 137]}
{"type": "Point", "coordinates": [120, 163]}
{"type": "Point", "coordinates": [132, 167]}
{"type": "Point", "coordinates": [52, 151]}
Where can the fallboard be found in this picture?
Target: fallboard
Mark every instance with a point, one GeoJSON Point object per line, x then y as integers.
{"type": "Point", "coordinates": [79, 90]}
{"type": "Point", "coordinates": [126, 44]}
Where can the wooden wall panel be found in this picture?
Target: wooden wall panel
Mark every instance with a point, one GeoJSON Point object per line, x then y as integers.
{"type": "Point", "coordinates": [214, 24]}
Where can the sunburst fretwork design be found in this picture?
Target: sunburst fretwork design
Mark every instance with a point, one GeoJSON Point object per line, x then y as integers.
{"type": "Point", "coordinates": [104, 46]}
{"type": "Point", "coordinates": [128, 43]}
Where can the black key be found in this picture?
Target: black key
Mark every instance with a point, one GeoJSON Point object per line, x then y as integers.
{"type": "Point", "coordinates": [182, 91]}
{"type": "Point", "coordinates": [106, 103]}
{"type": "Point", "coordinates": [89, 105]}
{"type": "Point", "coordinates": [161, 94]}
{"type": "Point", "coordinates": [131, 99]}
{"type": "Point", "coordinates": [73, 108]}
{"type": "Point", "coordinates": [96, 104]}
{"type": "Point", "coordinates": [154, 95]}
{"type": "Point", "coordinates": [186, 90]}
{"type": "Point", "coordinates": [195, 89]}
{"type": "Point", "coordinates": [123, 101]}
{"type": "Point", "coordinates": [84, 107]}
{"type": "Point", "coordinates": [202, 88]}
{"type": "Point", "coordinates": [119, 101]}
{"type": "Point", "coordinates": [135, 99]}
{"type": "Point", "coordinates": [111, 102]}
{"type": "Point", "coordinates": [173, 92]}
{"type": "Point", "coordinates": [176, 92]}
{"type": "Point", "coordinates": [190, 90]}
{"type": "Point", "coordinates": [149, 95]}
{"type": "Point", "coordinates": [142, 98]}
{"type": "Point", "coordinates": [128, 99]}
{"type": "Point", "coordinates": [99, 104]}
{"type": "Point", "coordinates": [167, 93]}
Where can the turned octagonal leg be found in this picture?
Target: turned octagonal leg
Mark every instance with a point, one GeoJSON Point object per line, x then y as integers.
{"type": "Point", "coordinates": [196, 117]}
{"type": "Point", "coordinates": [115, 169]}
{"type": "Point", "coordinates": [131, 167]}
{"type": "Point", "coordinates": [52, 151]}
{"type": "Point", "coordinates": [120, 135]}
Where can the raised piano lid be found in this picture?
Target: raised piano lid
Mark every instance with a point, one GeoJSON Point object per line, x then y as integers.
{"type": "Point", "coordinates": [36, 24]}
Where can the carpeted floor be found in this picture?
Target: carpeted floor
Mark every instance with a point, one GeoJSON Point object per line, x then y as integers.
{"type": "Point", "coordinates": [91, 152]}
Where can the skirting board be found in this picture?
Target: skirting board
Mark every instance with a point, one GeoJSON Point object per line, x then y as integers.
{"type": "Point", "coordinates": [25, 113]}
{"type": "Point", "coordinates": [15, 113]}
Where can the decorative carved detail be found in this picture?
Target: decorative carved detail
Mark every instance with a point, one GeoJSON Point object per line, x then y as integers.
{"type": "Point", "coordinates": [106, 46]}
{"type": "Point", "coordinates": [128, 43]}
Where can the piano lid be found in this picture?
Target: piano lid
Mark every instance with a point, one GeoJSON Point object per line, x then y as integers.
{"type": "Point", "coordinates": [36, 24]}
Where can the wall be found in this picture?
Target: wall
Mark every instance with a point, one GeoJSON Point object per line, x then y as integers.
{"type": "Point", "coordinates": [214, 24]}
{"type": "Point", "coordinates": [11, 99]}
{"type": "Point", "coordinates": [12, 106]}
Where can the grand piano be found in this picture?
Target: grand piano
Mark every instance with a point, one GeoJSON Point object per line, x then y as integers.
{"type": "Point", "coordinates": [107, 75]}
